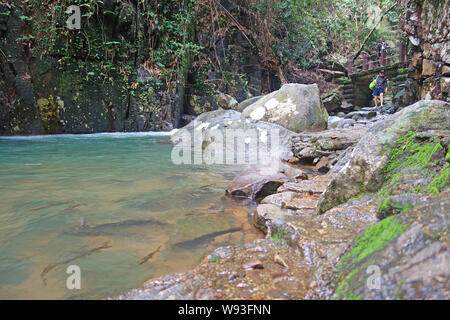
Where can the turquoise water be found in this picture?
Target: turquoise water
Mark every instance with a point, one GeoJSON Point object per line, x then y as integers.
{"type": "Point", "coordinates": [112, 204]}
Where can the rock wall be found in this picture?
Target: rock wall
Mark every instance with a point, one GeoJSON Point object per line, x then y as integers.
{"type": "Point", "coordinates": [102, 78]}
{"type": "Point", "coordinates": [426, 23]}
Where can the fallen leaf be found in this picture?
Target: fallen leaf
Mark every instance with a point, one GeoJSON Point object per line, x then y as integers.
{"type": "Point", "coordinates": [278, 259]}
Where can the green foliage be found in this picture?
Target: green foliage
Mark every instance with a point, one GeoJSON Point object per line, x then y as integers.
{"type": "Point", "coordinates": [214, 259]}
{"type": "Point", "coordinates": [279, 235]}
{"type": "Point", "coordinates": [311, 31]}
{"type": "Point", "coordinates": [115, 37]}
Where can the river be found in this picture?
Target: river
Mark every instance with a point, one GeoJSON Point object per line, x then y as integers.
{"type": "Point", "coordinates": [113, 205]}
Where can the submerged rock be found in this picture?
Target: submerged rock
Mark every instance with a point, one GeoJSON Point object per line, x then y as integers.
{"type": "Point", "coordinates": [296, 107]}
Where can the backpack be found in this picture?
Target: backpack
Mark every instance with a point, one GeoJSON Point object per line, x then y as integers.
{"type": "Point", "coordinates": [373, 83]}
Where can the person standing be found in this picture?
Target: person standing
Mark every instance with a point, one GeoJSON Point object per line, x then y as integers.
{"type": "Point", "coordinates": [380, 88]}
{"type": "Point", "coordinates": [380, 46]}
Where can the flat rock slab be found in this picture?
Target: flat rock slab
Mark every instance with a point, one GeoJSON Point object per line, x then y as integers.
{"type": "Point", "coordinates": [278, 198]}
{"type": "Point", "coordinates": [300, 202]}
{"type": "Point", "coordinates": [305, 186]}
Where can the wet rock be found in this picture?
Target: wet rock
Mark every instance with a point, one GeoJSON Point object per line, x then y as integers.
{"type": "Point", "coordinates": [308, 146]}
{"type": "Point", "coordinates": [357, 115]}
{"type": "Point", "coordinates": [299, 202]}
{"type": "Point", "coordinates": [346, 123]}
{"type": "Point", "coordinates": [269, 215]}
{"type": "Point", "coordinates": [324, 165]}
{"type": "Point", "coordinates": [333, 121]}
{"type": "Point", "coordinates": [341, 161]}
{"type": "Point", "coordinates": [295, 107]}
{"type": "Point", "coordinates": [278, 198]}
{"type": "Point", "coordinates": [256, 183]}
{"type": "Point", "coordinates": [397, 204]}
{"type": "Point", "coordinates": [201, 104]}
{"type": "Point", "coordinates": [292, 172]}
{"type": "Point", "coordinates": [413, 260]}
{"type": "Point", "coordinates": [332, 102]}
{"type": "Point", "coordinates": [305, 186]}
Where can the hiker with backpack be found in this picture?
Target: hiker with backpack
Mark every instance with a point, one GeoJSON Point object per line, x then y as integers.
{"type": "Point", "coordinates": [379, 87]}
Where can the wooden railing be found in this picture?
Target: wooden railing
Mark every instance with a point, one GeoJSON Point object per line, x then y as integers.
{"type": "Point", "coordinates": [367, 62]}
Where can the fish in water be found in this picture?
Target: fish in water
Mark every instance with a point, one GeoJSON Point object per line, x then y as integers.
{"type": "Point", "coordinates": [189, 244]}
{"type": "Point", "coordinates": [149, 256]}
{"type": "Point", "coordinates": [52, 266]}
{"type": "Point", "coordinates": [73, 207]}
{"type": "Point", "coordinates": [51, 205]}
{"type": "Point", "coordinates": [112, 228]}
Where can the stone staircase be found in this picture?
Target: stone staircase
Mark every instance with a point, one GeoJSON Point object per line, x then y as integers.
{"type": "Point", "coordinates": [352, 88]}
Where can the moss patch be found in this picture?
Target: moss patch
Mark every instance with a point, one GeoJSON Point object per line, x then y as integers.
{"type": "Point", "coordinates": [376, 237]}
{"type": "Point", "coordinates": [387, 208]}
{"type": "Point", "coordinates": [373, 239]}
{"type": "Point", "coordinates": [441, 180]}
{"type": "Point", "coordinates": [413, 151]}
{"type": "Point", "coordinates": [279, 235]}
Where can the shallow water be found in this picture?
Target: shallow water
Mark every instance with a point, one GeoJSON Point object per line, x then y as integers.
{"type": "Point", "coordinates": [112, 204]}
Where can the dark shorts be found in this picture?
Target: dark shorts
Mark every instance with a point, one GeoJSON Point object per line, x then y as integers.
{"type": "Point", "coordinates": [377, 91]}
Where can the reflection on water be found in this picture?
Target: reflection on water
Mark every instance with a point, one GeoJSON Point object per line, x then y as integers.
{"type": "Point", "coordinates": [114, 205]}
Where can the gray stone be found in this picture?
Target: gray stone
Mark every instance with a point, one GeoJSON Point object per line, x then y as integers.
{"type": "Point", "coordinates": [371, 153]}
{"type": "Point", "coordinates": [296, 107]}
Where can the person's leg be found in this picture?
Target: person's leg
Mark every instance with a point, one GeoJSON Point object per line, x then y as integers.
{"type": "Point", "coordinates": [375, 98]}
{"type": "Point", "coordinates": [382, 98]}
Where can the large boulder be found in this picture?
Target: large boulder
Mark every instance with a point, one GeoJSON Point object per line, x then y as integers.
{"type": "Point", "coordinates": [363, 172]}
{"type": "Point", "coordinates": [244, 104]}
{"type": "Point", "coordinates": [261, 141]}
{"type": "Point", "coordinates": [296, 107]}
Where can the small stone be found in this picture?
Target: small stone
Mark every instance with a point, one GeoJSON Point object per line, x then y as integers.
{"type": "Point", "coordinates": [323, 166]}
{"type": "Point", "coordinates": [293, 160]}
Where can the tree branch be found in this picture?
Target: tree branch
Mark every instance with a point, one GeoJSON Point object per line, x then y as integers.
{"type": "Point", "coordinates": [357, 53]}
